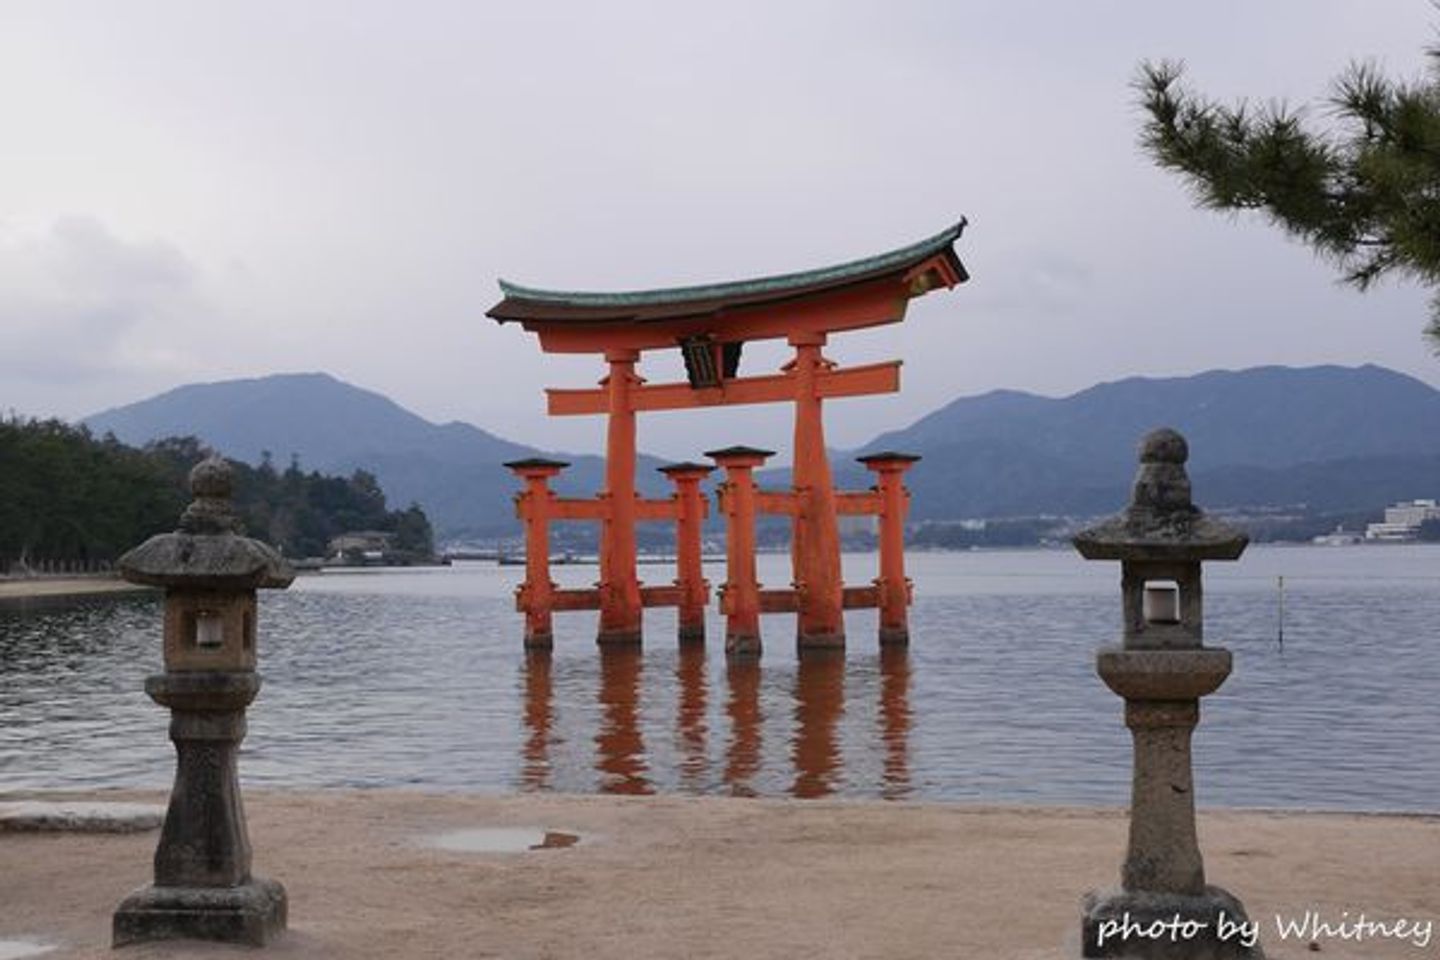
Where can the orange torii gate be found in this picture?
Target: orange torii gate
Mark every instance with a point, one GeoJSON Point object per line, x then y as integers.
{"type": "Point", "coordinates": [709, 325]}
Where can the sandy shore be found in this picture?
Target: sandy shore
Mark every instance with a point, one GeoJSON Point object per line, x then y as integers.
{"type": "Point", "coordinates": [685, 877]}
{"type": "Point", "coordinates": [22, 589]}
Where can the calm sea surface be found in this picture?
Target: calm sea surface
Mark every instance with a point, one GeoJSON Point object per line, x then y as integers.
{"type": "Point", "coordinates": [418, 679]}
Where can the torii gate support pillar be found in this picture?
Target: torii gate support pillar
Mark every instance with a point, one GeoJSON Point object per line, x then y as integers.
{"type": "Point", "coordinates": [535, 506]}
{"type": "Point", "coordinates": [689, 571]}
{"type": "Point", "coordinates": [740, 596]}
{"type": "Point", "coordinates": [620, 604]}
{"type": "Point", "coordinates": [815, 533]}
{"type": "Point", "coordinates": [892, 585]}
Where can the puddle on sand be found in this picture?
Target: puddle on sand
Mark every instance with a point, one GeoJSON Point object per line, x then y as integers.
{"type": "Point", "coordinates": [15, 949]}
{"type": "Point", "coordinates": [502, 840]}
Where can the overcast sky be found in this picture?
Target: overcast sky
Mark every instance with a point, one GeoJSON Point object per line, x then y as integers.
{"type": "Point", "coordinates": [196, 191]}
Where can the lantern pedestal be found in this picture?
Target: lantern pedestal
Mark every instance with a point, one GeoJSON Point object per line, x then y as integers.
{"type": "Point", "coordinates": [252, 913]}
{"type": "Point", "coordinates": [1164, 909]}
{"type": "Point", "coordinates": [203, 889]}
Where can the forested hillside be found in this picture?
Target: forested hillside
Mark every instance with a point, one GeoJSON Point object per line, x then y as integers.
{"type": "Point", "coordinates": [70, 501]}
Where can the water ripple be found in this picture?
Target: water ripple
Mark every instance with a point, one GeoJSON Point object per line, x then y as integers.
{"type": "Point", "coordinates": [418, 678]}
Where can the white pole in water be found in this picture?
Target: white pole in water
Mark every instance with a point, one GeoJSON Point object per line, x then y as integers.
{"type": "Point", "coordinates": [1280, 582]}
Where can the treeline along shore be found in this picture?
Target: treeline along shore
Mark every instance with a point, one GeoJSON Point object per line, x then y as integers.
{"type": "Point", "coordinates": [72, 503]}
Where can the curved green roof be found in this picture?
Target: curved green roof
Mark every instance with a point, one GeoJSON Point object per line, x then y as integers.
{"type": "Point", "coordinates": [778, 284]}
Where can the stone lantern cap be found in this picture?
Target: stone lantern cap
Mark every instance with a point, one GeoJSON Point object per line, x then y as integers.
{"type": "Point", "coordinates": [1161, 524]}
{"type": "Point", "coordinates": [207, 552]}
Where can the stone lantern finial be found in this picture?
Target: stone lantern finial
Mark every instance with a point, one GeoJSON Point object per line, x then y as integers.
{"type": "Point", "coordinates": [1161, 522]}
{"type": "Point", "coordinates": [211, 511]}
{"type": "Point", "coordinates": [1161, 493]}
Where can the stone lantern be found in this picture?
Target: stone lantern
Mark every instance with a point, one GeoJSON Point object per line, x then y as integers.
{"type": "Point", "coordinates": [1163, 909]}
{"type": "Point", "coordinates": [203, 887]}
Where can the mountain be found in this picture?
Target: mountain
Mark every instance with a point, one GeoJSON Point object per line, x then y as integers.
{"type": "Point", "coordinates": [1330, 437]}
{"type": "Point", "coordinates": [1333, 438]}
{"type": "Point", "coordinates": [453, 470]}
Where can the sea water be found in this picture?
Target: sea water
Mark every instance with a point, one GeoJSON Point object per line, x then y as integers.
{"type": "Point", "coordinates": [418, 678]}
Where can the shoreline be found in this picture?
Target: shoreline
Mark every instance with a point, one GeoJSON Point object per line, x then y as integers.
{"type": "Point", "coordinates": [60, 588]}
{"type": "Point", "coordinates": [763, 879]}
{"type": "Point", "coordinates": [422, 792]}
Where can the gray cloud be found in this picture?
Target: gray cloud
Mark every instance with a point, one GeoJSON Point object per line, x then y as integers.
{"type": "Point", "coordinates": [81, 308]}
{"type": "Point", "coordinates": [346, 179]}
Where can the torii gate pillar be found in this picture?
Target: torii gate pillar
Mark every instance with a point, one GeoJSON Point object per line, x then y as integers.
{"type": "Point", "coordinates": [740, 596]}
{"type": "Point", "coordinates": [892, 584]}
{"type": "Point", "coordinates": [536, 503]}
{"type": "Point", "coordinates": [689, 561]}
{"type": "Point", "coordinates": [620, 604]}
{"type": "Point", "coordinates": [815, 536]}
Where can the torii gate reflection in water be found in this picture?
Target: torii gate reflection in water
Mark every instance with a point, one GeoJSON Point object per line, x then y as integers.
{"type": "Point", "coordinates": [710, 325]}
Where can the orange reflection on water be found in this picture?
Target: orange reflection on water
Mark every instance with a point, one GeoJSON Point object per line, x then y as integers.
{"type": "Point", "coordinates": [819, 703]}
{"type": "Point", "coordinates": [805, 719]}
{"type": "Point", "coordinates": [619, 745]}
{"type": "Point", "coordinates": [539, 718]}
{"type": "Point", "coordinates": [742, 755]}
{"type": "Point", "coordinates": [691, 729]}
{"type": "Point", "coordinates": [895, 720]}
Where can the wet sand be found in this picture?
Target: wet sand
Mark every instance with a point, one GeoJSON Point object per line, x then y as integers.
{"type": "Point", "coordinates": [20, 590]}
{"type": "Point", "coordinates": [714, 877]}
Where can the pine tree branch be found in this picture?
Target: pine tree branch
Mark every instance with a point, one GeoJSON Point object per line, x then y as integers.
{"type": "Point", "coordinates": [1364, 194]}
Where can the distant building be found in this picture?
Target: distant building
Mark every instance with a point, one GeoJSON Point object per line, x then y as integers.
{"type": "Point", "coordinates": [1402, 521]}
{"type": "Point", "coordinates": [1413, 513]}
{"type": "Point", "coordinates": [360, 546]}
